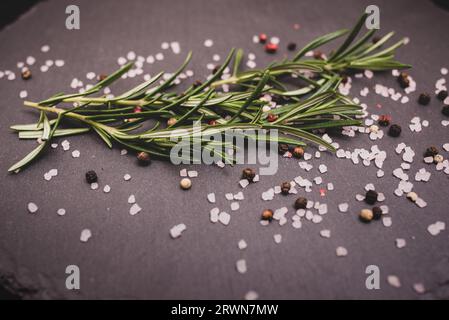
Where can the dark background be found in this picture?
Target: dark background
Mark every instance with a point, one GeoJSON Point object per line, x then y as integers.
{"type": "Point", "coordinates": [134, 257]}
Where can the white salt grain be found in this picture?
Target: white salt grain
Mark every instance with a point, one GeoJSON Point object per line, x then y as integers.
{"type": "Point", "coordinates": [94, 186]}
{"type": "Point", "coordinates": [208, 43]}
{"type": "Point", "coordinates": [127, 177]}
{"type": "Point", "coordinates": [277, 238]}
{"type": "Point", "coordinates": [241, 266]}
{"type": "Point", "coordinates": [224, 218]}
{"type": "Point", "coordinates": [131, 199]}
{"type": "Point", "coordinates": [343, 207]}
{"type": "Point", "coordinates": [394, 281]}
{"type": "Point", "coordinates": [235, 206]}
{"type": "Point", "coordinates": [32, 207]}
{"type": "Point", "coordinates": [106, 189]}
{"type": "Point", "coordinates": [341, 252]}
{"type": "Point", "coordinates": [325, 233]}
{"type": "Point", "coordinates": [135, 209]}
{"type": "Point", "coordinates": [211, 197]}
{"type": "Point", "coordinates": [23, 94]}
{"type": "Point", "coordinates": [242, 244]}
{"type": "Point", "coordinates": [85, 235]}
{"type": "Point", "coordinates": [75, 154]}
{"type": "Point", "coordinates": [400, 243]}
{"type": "Point", "coordinates": [177, 230]}
{"type": "Point", "coordinates": [251, 295]}
{"type": "Point", "coordinates": [61, 212]}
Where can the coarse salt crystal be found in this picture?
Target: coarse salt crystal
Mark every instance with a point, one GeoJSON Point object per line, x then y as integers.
{"type": "Point", "coordinates": [85, 235]}
{"type": "Point", "coordinates": [341, 252]}
{"type": "Point", "coordinates": [135, 209]}
{"type": "Point", "coordinates": [32, 207]}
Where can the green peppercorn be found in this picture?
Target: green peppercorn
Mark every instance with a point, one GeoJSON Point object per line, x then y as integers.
{"type": "Point", "coordinates": [394, 130]}
{"type": "Point", "coordinates": [267, 214]}
{"type": "Point", "coordinates": [377, 213]}
{"type": "Point", "coordinates": [301, 203]}
{"type": "Point", "coordinates": [285, 187]}
{"type": "Point", "coordinates": [371, 197]}
{"type": "Point", "coordinates": [143, 158]}
{"type": "Point", "coordinates": [248, 174]}
{"type": "Point", "coordinates": [424, 99]}
{"type": "Point", "coordinates": [91, 176]}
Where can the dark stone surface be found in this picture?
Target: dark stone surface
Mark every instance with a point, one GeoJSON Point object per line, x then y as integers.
{"type": "Point", "coordinates": [133, 256]}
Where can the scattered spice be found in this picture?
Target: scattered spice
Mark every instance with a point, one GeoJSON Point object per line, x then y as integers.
{"type": "Point", "coordinates": [395, 130]}
{"type": "Point", "coordinates": [424, 99]}
{"type": "Point", "coordinates": [373, 128]}
{"type": "Point", "coordinates": [248, 174]}
{"type": "Point", "coordinates": [412, 196]}
{"type": "Point", "coordinates": [26, 74]}
{"type": "Point", "coordinates": [438, 158]}
{"type": "Point", "coordinates": [298, 152]}
{"type": "Point", "coordinates": [377, 213]}
{"type": "Point", "coordinates": [366, 215]}
{"type": "Point", "coordinates": [283, 148]}
{"type": "Point", "coordinates": [197, 83]}
{"type": "Point", "coordinates": [171, 121]}
{"type": "Point", "coordinates": [185, 184]}
{"type": "Point", "coordinates": [442, 95]}
{"type": "Point", "coordinates": [384, 120]}
{"type": "Point", "coordinates": [271, 48]}
{"type": "Point", "coordinates": [431, 152]}
{"type": "Point", "coordinates": [215, 69]}
{"type": "Point", "coordinates": [445, 110]}
{"type": "Point", "coordinates": [143, 158]}
{"type": "Point", "coordinates": [285, 187]}
{"type": "Point", "coordinates": [300, 203]}
{"type": "Point", "coordinates": [91, 176]}
{"type": "Point", "coordinates": [263, 38]}
{"type": "Point", "coordinates": [403, 80]}
{"type": "Point", "coordinates": [212, 122]}
{"type": "Point", "coordinates": [267, 214]}
{"type": "Point", "coordinates": [271, 117]}
{"type": "Point", "coordinates": [371, 197]}
{"type": "Point", "coordinates": [291, 46]}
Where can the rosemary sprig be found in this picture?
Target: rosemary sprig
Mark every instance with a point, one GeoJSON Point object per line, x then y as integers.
{"type": "Point", "coordinates": [315, 104]}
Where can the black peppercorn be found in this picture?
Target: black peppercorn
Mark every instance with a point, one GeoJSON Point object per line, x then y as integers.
{"type": "Point", "coordinates": [377, 213]}
{"type": "Point", "coordinates": [282, 148]}
{"type": "Point", "coordinates": [197, 83]}
{"type": "Point", "coordinates": [267, 214]}
{"type": "Point", "coordinates": [424, 99]}
{"type": "Point", "coordinates": [143, 158]}
{"type": "Point", "coordinates": [395, 130]}
{"type": "Point", "coordinates": [445, 110]}
{"type": "Point", "coordinates": [384, 120]}
{"type": "Point", "coordinates": [431, 152]}
{"type": "Point", "coordinates": [298, 152]}
{"type": "Point", "coordinates": [403, 80]}
{"type": "Point", "coordinates": [285, 187]}
{"type": "Point", "coordinates": [300, 203]}
{"type": "Point", "coordinates": [91, 176]}
{"type": "Point", "coordinates": [442, 95]}
{"type": "Point", "coordinates": [26, 74]}
{"type": "Point", "coordinates": [371, 197]}
{"type": "Point", "coordinates": [291, 46]}
{"type": "Point", "coordinates": [248, 174]}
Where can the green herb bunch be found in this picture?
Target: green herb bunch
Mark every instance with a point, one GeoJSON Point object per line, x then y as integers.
{"type": "Point", "coordinates": [313, 104]}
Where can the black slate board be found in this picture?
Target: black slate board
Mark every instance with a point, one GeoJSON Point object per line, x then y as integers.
{"type": "Point", "coordinates": [133, 256]}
